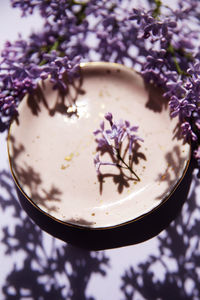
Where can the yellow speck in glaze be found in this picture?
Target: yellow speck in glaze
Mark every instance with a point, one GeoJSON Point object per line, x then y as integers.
{"type": "Point", "coordinates": [162, 148]}
{"type": "Point", "coordinates": [63, 167]}
{"type": "Point", "coordinates": [100, 94]}
{"type": "Point", "coordinates": [69, 157]}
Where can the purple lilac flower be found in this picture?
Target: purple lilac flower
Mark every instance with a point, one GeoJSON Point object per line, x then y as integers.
{"type": "Point", "coordinates": [181, 107]}
{"type": "Point", "coordinates": [20, 74]}
{"type": "Point", "coordinates": [121, 130]}
{"type": "Point", "coordinates": [111, 141]}
{"type": "Point", "coordinates": [197, 156]}
{"type": "Point", "coordinates": [197, 153]}
{"type": "Point", "coordinates": [99, 163]}
{"type": "Point", "coordinates": [187, 132]}
{"type": "Point", "coordinates": [108, 116]}
{"type": "Point", "coordinates": [53, 8]}
{"type": "Point", "coordinates": [159, 41]}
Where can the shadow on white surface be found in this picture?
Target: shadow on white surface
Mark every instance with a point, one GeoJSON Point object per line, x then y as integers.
{"type": "Point", "coordinates": [179, 249]}
{"type": "Point", "coordinates": [54, 270]}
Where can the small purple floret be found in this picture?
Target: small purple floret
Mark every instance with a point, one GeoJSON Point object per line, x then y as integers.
{"type": "Point", "coordinates": [111, 141]}
{"type": "Point", "coordinates": [161, 42]}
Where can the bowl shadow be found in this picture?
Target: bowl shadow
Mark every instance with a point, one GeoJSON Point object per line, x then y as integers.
{"type": "Point", "coordinates": [131, 233]}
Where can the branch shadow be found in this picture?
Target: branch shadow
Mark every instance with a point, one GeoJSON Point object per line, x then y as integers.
{"type": "Point", "coordinates": [47, 269]}
{"type": "Point", "coordinates": [178, 260]}
{"type": "Point", "coordinates": [63, 101]}
{"type": "Point", "coordinates": [26, 176]}
{"type": "Point", "coordinates": [156, 102]}
{"type": "Point", "coordinates": [126, 234]}
{"type": "Point", "coordinates": [123, 178]}
{"type": "Point", "coordinates": [173, 163]}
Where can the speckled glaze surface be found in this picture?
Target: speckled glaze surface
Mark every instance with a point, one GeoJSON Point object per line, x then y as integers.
{"type": "Point", "coordinates": [51, 149]}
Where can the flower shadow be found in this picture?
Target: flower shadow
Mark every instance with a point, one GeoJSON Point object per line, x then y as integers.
{"type": "Point", "coordinates": [26, 176]}
{"type": "Point", "coordinates": [156, 102]}
{"type": "Point", "coordinates": [55, 101]}
{"type": "Point", "coordinates": [121, 177]}
{"type": "Point", "coordinates": [48, 269]}
{"type": "Point", "coordinates": [121, 180]}
{"type": "Point", "coordinates": [126, 234]}
{"type": "Point", "coordinates": [173, 162]}
{"type": "Point", "coordinates": [173, 272]}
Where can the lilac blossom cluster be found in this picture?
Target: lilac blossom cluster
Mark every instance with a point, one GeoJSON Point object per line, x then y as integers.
{"type": "Point", "coordinates": [111, 141]}
{"type": "Point", "coordinates": [160, 41]}
{"type": "Point", "coordinates": [19, 77]}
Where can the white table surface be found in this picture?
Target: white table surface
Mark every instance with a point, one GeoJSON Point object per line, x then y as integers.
{"type": "Point", "coordinates": [34, 265]}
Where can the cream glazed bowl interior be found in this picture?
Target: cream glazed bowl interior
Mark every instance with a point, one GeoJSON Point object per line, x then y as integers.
{"type": "Point", "coordinates": [51, 149]}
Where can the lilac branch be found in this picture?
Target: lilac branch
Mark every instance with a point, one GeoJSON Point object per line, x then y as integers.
{"type": "Point", "coordinates": [111, 141]}
{"type": "Point", "coordinates": [161, 42]}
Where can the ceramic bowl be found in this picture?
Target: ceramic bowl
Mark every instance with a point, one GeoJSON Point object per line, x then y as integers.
{"type": "Point", "coordinates": [51, 150]}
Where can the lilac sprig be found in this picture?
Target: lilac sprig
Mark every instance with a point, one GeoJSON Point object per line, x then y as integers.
{"type": "Point", "coordinates": [159, 41]}
{"type": "Point", "coordinates": [111, 141]}
{"type": "Point", "coordinates": [53, 9]}
{"type": "Point", "coordinates": [21, 69]}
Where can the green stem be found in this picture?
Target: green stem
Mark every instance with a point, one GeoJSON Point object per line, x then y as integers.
{"type": "Point", "coordinates": [48, 49]}
{"type": "Point", "coordinates": [80, 15]}
{"type": "Point", "coordinates": [172, 51]}
{"type": "Point", "coordinates": [127, 166]}
{"type": "Point", "coordinates": [156, 13]}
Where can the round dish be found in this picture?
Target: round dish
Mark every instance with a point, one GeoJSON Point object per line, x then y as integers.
{"type": "Point", "coordinates": [51, 149]}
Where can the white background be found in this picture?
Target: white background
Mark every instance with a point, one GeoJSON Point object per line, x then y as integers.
{"type": "Point", "coordinates": [164, 267]}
